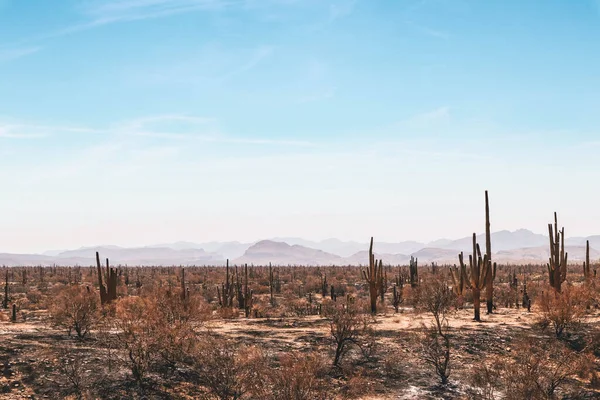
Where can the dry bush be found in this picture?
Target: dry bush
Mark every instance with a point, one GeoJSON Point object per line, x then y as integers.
{"type": "Point", "coordinates": [175, 323]}
{"type": "Point", "coordinates": [485, 382]}
{"type": "Point", "coordinates": [349, 327]}
{"type": "Point", "coordinates": [538, 370]}
{"type": "Point", "coordinates": [229, 371]}
{"type": "Point", "coordinates": [563, 311]}
{"type": "Point", "coordinates": [434, 343]}
{"type": "Point", "coordinates": [136, 334]}
{"type": "Point", "coordinates": [76, 308]}
{"type": "Point", "coordinates": [74, 372]}
{"type": "Point", "coordinates": [299, 376]}
{"type": "Point", "coordinates": [435, 298]}
{"type": "Point", "coordinates": [356, 387]}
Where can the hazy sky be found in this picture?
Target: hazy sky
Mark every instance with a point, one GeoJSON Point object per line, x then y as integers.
{"type": "Point", "coordinates": [135, 122]}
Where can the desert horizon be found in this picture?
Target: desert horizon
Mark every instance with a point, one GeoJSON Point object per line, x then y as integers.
{"type": "Point", "coordinates": [299, 199]}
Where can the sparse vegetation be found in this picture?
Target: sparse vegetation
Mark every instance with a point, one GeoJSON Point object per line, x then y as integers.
{"type": "Point", "coordinates": [297, 332]}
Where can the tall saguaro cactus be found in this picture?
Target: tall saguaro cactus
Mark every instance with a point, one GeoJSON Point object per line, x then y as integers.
{"type": "Point", "coordinates": [414, 272]}
{"type": "Point", "coordinates": [226, 293]}
{"type": "Point", "coordinates": [458, 279]}
{"type": "Point", "coordinates": [586, 263]}
{"type": "Point", "coordinates": [557, 265]}
{"type": "Point", "coordinates": [373, 276]}
{"type": "Point", "coordinates": [108, 293]}
{"type": "Point", "coordinates": [491, 274]}
{"type": "Point", "coordinates": [478, 270]}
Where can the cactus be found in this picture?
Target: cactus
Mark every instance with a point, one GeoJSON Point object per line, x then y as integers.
{"type": "Point", "coordinates": [226, 294]}
{"type": "Point", "coordinates": [586, 264]}
{"type": "Point", "coordinates": [271, 286]}
{"type": "Point", "coordinates": [382, 286]}
{"type": "Point", "coordinates": [332, 294]}
{"type": "Point", "coordinates": [397, 297]}
{"type": "Point", "coordinates": [185, 294]}
{"type": "Point", "coordinates": [526, 299]}
{"type": "Point", "coordinates": [244, 295]}
{"type": "Point", "coordinates": [324, 285]}
{"type": "Point", "coordinates": [458, 279]}
{"type": "Point", "coordinates": [414, 272]}
{"type": "Point", "coordinates": [13, 317]}
{"type": "Point", "coordinates": [373, 275]}
{"type": "Point", "coordinates": [557, 265]}
{"type": "Point", "coordinates": [6, 299]}
{"type": "Point", "coordinates": [491, 274]}
{"type": "Point", "coordinates": [108, 293]}
{"type": "Point", "coordinates": [477, 274]}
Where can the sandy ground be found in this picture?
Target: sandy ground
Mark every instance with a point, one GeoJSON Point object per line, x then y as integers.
{"type": "Point", "coordinates": [22, 343]}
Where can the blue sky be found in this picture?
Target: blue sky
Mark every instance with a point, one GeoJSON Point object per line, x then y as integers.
{"type": "Point", "coordinates": [134, 122]}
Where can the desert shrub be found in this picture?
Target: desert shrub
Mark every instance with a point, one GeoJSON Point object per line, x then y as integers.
{"type": "Point", "coordinates": [73, 370]}
{"type": "Point", "coordinates": [538, 370]}
{"type": "Point", "coordinates": [350, 327]}
{"type": "Point", "coordinates": [229, 371]}
{"type": "Point", "coordinates": [299, 376]}
{"type": "Point", "coordinates": [484, 382]}
{"type": "Point", "coordinates": [436, 298]}
{"type": "Point", "coordinates": [34, 296]}
{"type": "Point", "coordinates": [136, 334]}
{"type": "Point", "coordinates": [356, 387]}
{"type": "Point", "coordinates": [175, 323]}
{"type": "Point", "coordinates": [434, 343]}
{"type": "Point", "coordinates": [76, 308]}
{"type": "Point", "coordinates": [563, 311]}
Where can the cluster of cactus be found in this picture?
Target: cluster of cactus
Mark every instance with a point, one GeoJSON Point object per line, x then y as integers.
{"type": "Point", "coordinates": [374, 276]}
{"type": "Point", "coordinates": [458, 279]}
{"type": "Point", "coordinates": [244, 295]}
{"type": "Point", "coordinates": [414, 272]}
{"type": "Point", "coordinates": [557, 265]}
{"type": "Point", "coordinates": [108, 293]}
{"type": "Point", "coordinates": [479, 268]}
{"type": "Point", "coordinates": [226, 294]}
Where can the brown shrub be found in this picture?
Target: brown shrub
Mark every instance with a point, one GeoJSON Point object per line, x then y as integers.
{"type": "Point", "coordinates": [74, 308]}
{"type": "Point", "coordinates": [229, 371]}
{"type": "Point", "coordinates": [299, 376]}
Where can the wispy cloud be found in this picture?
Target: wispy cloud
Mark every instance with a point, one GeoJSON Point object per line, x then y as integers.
{"type": "Point", "coordinates": [29, 131]}
{"type": "Point", "coordinates": [199, 129]}
{"type": "Point", "coordinates": [168, 126]}
{"type": "Point", "coordinates": [9, 54]}
{"type": "Point", "coordinates": [102, 12]}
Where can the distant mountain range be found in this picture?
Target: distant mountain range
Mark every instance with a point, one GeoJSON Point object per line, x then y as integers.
{"type": "Point", "coordinates": [520, 246]}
